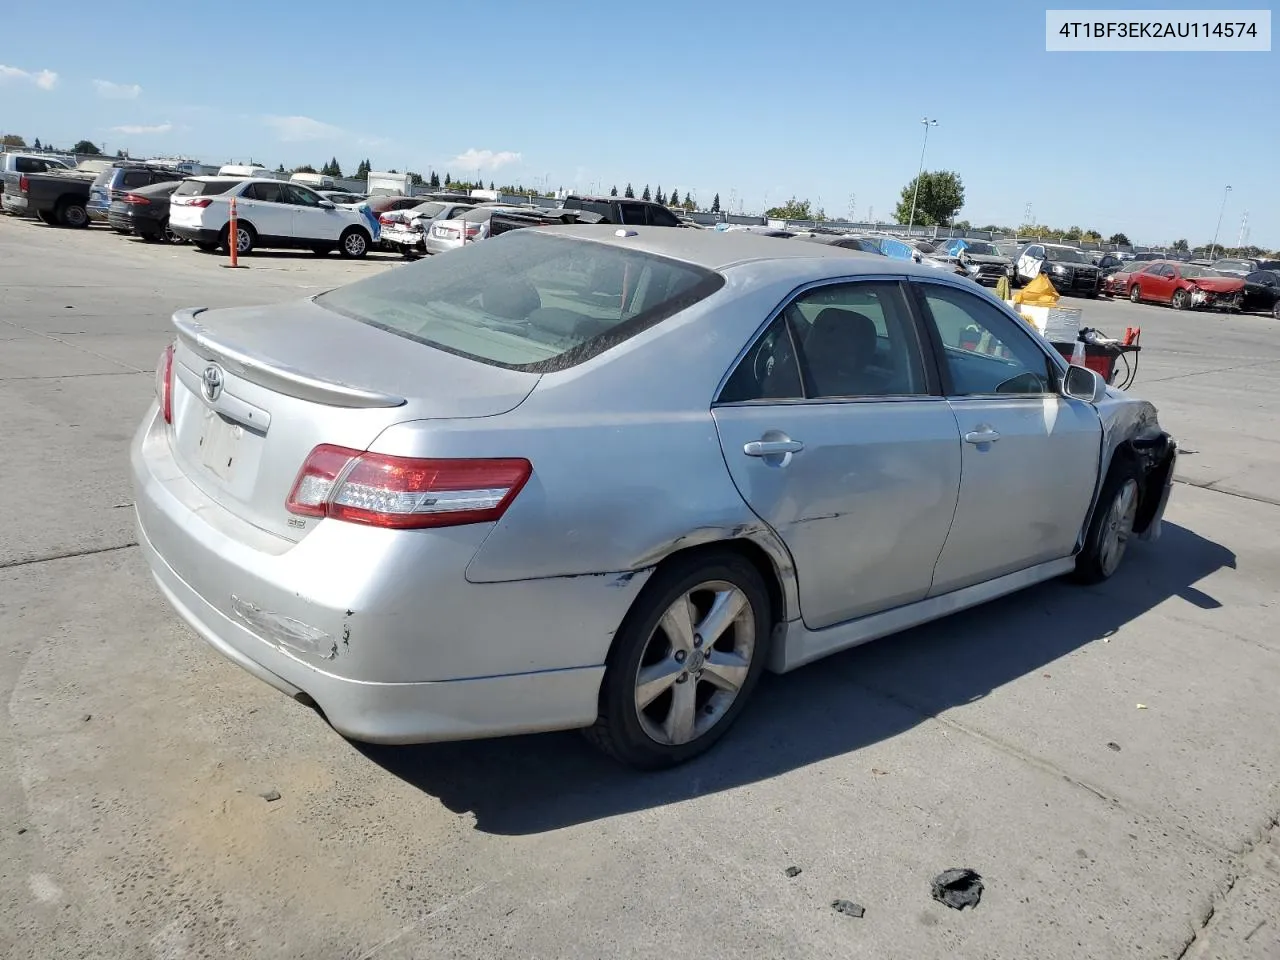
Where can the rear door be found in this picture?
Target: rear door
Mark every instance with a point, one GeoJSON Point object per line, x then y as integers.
{"type": "Point", "coordinates": [1030, 455]}
{"type": "Point", "coordinates": [264, 206]}
{"type": "Point", "coordinates": [835, 436]}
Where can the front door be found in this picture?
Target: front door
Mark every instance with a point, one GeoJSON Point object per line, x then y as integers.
{"type": "Point", "coordinates": [836, 437]}
{"type": "Point", "coordinates": [1159, 283]}
{"type": "Point", "coordinates": [310, 220]}
{"type": "Point", "coordinates": [1030, 455]}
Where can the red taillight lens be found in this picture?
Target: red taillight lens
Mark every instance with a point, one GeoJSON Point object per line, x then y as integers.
{"type": "Point", "coordinates": [384, 218]}
{"type": "Point", "coordinates": [133, 198]}
{"type": "Point", "coordinates": [23, 184]}
{"type": "Point", "coordinates": [473, 229]}
{"type": "Point", "coordinates": [164, 383]}
{"type": "Point", "coordinates": [201, 202]}
{"type": "Point", "coordinates": [404, 493]}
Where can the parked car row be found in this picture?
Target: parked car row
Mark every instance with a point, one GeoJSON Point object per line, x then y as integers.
{"type": "Point", "coordinates": [1186, 286]}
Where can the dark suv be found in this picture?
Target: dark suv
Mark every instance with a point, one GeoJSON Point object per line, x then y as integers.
{"type": "Point", "coordinates": [114, 183]}
{"type": "Point", "coordinates": [624, 210]}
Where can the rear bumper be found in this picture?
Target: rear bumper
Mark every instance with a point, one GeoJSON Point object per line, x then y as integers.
{"type": "Point", "coordinates": [97, 210]}
{"type": "Point", "coordinates": [401, 649]}
{"type": "Point", "coordinates": [437, 245]}
{"type": "Point", "coordinates": [196, 234]}
{"type": "Point", "coordinates": [13, 203]}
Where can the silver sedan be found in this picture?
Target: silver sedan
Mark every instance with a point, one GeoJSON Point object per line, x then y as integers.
{"type": "Point", "coordinates": [598, 478]}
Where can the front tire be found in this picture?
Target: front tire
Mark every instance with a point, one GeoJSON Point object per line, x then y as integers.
{"type": "Point", "coordinates": [684, 661]}
{"type": "Point", "coordinates": [1135, 294]}
{"type": "Point", "coordinates": [1181, 300]}
{"type": "Point", "coordinates": [1111, 527]}
{"type": "Point", "coordinates": [354, 243]}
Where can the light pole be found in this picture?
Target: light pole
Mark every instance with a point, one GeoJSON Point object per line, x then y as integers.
{"type": "Point", "coordinates": [916, 192]}
{"type": "Point", "coordinates": [1219, 226]}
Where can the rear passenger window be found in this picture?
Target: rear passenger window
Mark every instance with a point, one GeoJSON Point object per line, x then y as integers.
{"type": "Point", "coordinates": [634, 213]}
{"type": "Point", "coordinates": [846, 340]}
{"type": "Point", "coordinates": [662, 217]}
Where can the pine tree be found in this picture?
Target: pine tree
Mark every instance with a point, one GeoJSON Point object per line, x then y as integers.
{"type": "Point", "coordinates": [36, 145]}
{"type": "Point", "coordinates": [491, 186]}
{"type": "Point", "coordinates": [657, 195]}
{"type": "Point", "coordinates": [614, 192]}
{"type": "Point", "coordinates": [362, 170]}
{"type": "Point", "coordinates": [715, 204]}
{"type": "Point", "coordinates": [646, 195]}
{"type": "Point", "coordinates": [435, 180]}
{"type": "Point", "coordinates": [629, 193]}
{"type": "Point", "coordinates": [675, 199]}
{"type": "Point", "coordinates": [448, 180]}
{"type": "Point", "coordinates": [281, 169]}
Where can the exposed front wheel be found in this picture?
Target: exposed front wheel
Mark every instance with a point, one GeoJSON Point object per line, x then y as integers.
{"type": "Point", "coordinates": [1181, 300]}
{"type": "Point", "coordinates": [684, 661]}
{"type": "Point", "coordinates": [354, 243]}
{"type": "Point", "coordinates": [1112, 524]}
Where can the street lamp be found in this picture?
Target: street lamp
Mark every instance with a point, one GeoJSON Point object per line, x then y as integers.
{"type": "Point", "coordinates": [1219, 226]}
{"type": "Point", "coordinates": [916, 193]}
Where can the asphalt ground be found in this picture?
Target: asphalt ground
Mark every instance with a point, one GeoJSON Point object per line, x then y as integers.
{"type": "Point", "coordinates": [1106, 758]}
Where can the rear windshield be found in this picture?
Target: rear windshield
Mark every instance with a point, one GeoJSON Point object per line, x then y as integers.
{"type": "Point", "coordinates": [1064, 254]}
{"type": "Point", "coordinates": [104, 178]}
{"type": "Point", "coordinates": [428, 209]}
{"type": "Point", "coordinates": [204, 188]}
{"type": "Point", "coordinates": [526, 300]}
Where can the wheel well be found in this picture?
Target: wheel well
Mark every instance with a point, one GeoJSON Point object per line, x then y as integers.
{"type": "Point", "coordinates": [67, 199]}
{"type": "Point", "coordinates": [241, 223]}
{"type": "Point", "coordinates": [752, 553]}
{"type": "Point", "coordinates": [1153, 459]}
{"type": "Point", "coordinates": [355, 226]}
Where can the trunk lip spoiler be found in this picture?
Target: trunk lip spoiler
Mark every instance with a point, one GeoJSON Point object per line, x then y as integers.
{"type": "Point", "coordinates": [274, 374]}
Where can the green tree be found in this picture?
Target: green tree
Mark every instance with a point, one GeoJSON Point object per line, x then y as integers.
{"type": "Point", "coordinates": [448, 179]}
{"type": "Point", "coordinates": [614, 192]}
{"type": "Point", "coordinates": [629, 194]}
{"type": "Point", "coordinates": [940, 198]}
{"type": "Point", "coordinates": [715, 204]}
{"type": "Point", "coordinates": [86, 147]}
{"type": "Point", "coordinates": [794, 209]}
{"type": "Point", "coordinates": [646, 195]}
{"type": "Point", "coordinates": [1180, 246]}
{"type": "Point", "coordinates": [415, 178]}
{"type": "Point", "coordinates": [12, 140]}
{"type": "Point", "coordinates": [491, 186]}
{"type": "Point", "coordinates": [435, 180]}
{"type": "Point", "coordinates": [658, 196]}
{"type": "Point", "coordinates": [674, 199]}
{"type": "Point", "coordinates": [305, 168]}
{"type": "Point", "coordinates": [363, 168]}
{"type": "Point", "coordinates": [36, 145]}
{"type": "Point", "coordinates": [1119, 239]}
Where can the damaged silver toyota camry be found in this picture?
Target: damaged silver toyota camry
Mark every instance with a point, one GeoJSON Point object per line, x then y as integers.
{"type": "Point", "coordinates": [601, 478]}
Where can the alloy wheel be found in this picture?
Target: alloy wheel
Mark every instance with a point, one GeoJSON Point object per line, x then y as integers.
{"type": "Point", "coordinates": [1118, 527]}
{"type": "Point", "coordinates": [695, 663]}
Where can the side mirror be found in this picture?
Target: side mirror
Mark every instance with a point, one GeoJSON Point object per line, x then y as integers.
{"type": "Point", "coordinates": [1081, 383]}
{"type": "Point", "coordinates": [327, 204]}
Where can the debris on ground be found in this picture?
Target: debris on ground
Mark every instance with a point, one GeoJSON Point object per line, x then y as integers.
{"type": "Point", "coordinates": [958, 888]}
{"type": "Point", "coordinates": [21, 831]}
{"type": "Point", "coordinates": [1142, 706]}
{"type": "Point", "coordinates": [271, 796]}
{"type": "Point", "coordinates": [848, 908]}
{"type": "Point", "coordinates": [877, 772]}
{"type": "Point", "coordinates": [86, 718]}
{"type": "Point", "coordinates": [792, 871]}
{"type": "Point", "coordinates": [1112, 745]}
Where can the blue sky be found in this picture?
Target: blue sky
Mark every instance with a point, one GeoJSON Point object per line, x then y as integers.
{"type": "Point", "coordinates": [756, 101]}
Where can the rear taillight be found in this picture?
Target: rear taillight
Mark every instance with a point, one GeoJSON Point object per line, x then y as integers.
{"type": "Point", "coordinates": [385, 218]}
{"type": "Point", "coordinates": [473, 229]}
{"type": "Point", "coordinates": [402, 492]}
{"type": "Point", "coordinates": [133, 198]}
{"type": "Point", "coordinates": [24, 184]}
{"type": "Point", "coordinates": [164, 383]}
{"type": "Point", "coordinates": [201, 202]}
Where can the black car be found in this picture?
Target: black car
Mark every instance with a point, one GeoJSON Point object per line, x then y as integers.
{"type": "Point", "coordinates": [1108, 264]}
{"type": "Point", "coordinates": [121, 177]}
{"type": "Point", "coordinates": [623, 210]}
{"type": "Point", "coordinates": [1066, 267]}
{"type": "Point", "coordinates": [145, 212]}
{"type": "Point", "coordinates": [1262, 292]}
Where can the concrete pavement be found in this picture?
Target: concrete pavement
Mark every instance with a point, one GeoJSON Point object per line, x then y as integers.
{"type": "Point", "coordinates": [1007, 739]}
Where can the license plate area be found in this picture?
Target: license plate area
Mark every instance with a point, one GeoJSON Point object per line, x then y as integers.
{"type": "Point", "coordinates": [219, 445]}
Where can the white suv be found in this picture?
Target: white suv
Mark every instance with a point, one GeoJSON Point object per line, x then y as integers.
{"type": "Point", "coordinates": [269, 213]}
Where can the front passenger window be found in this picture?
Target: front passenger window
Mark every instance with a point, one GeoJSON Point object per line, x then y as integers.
{"type": "Point", "coordinates": [985, 351]}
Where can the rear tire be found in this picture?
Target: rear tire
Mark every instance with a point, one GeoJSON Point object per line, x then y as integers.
{"type": "Point", "coordinates": [71, 213]}
{"type": "Point", "coordinates": [354, 243]}
{"type": "Point", "coordinates": [701, 684]}
{"type": "Point", "coordinates": [1111, 527]}
{"type": "Point", "coordinates": [205, 247]}
{"type": "Point", "coordinates": [245, 239]}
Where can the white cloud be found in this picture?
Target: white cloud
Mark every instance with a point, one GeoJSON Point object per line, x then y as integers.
{"type": "Point", "coordinates": [294, 129]}
{"type": "Point", "coordinates": [136, 129]}
{"type": "Point", "coordinates": [44, 79]}
{"type": "Point", "coordinates": [117, 91]}
{"type": "Point", "coordinates": [475, 159]}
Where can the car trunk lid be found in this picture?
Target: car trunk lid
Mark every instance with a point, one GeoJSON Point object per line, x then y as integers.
{"type": "Point", "coordinates": [255, 390]}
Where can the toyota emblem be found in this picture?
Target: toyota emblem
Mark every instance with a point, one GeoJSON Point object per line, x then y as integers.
{"type": "Point", "coordinates": [211, 382]}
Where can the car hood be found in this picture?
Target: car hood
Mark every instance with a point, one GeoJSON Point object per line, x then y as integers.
{"type": "Point", "coordinates": [1077, 267]}
{"type": "Point", "coordinates": [1218, 284]}
{"type": "Point", "coordinates": [985, 258]}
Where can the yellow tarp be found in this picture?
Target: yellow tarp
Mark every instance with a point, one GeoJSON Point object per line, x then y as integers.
{"type": "Point", "coordinates": [1039, 292]}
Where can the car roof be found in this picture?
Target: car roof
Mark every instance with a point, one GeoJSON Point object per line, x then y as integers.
{"type": "Point", "coordinates": [717, 250]}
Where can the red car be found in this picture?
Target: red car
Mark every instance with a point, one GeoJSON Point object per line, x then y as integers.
{"type": "Point", "coordinates": [1183, 285]}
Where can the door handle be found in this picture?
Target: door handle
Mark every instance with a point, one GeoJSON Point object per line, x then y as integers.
{"type": "Point", "coordinates": [771, 448]}
{"type": "Point", "coordinates": [985, 435]}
